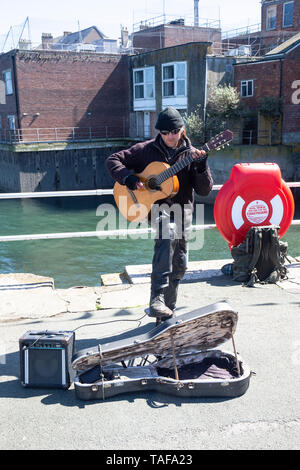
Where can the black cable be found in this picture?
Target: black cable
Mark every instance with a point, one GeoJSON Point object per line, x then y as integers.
{"type": "Point", "coordinates": [32, 344]}
{"type": "Point", "coordinates": [81, 326]}
{"type": "Point", "coordinates": [111, 321]}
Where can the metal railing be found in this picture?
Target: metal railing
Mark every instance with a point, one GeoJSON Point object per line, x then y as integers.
{"type": "Point", "coordinates": [90, 134]}
{"type": "Point", "coordinates": [251, 137]}
{"type": "Point", "coordinates": [244, 31]}
{"type": "Point", "coordinates": [99, 234]}
{"type": "Point", "coordinates": [62, 134]}
{"type": "Point", "coordinates": [184, 20]}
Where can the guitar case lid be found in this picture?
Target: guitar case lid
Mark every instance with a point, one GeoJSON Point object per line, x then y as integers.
{"type": "Point", "coordinates": [201, 329]}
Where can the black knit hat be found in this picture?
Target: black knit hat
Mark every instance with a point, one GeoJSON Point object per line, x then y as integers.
{"type": "Point", "coordinates": [169, 119]}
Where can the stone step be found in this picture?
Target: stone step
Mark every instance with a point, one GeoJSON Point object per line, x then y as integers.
{"type": "Point", "coordinates": [197, 271]}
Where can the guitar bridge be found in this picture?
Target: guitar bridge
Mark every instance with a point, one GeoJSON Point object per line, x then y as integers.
{"type": "Point", "coordinates": [133, 197]}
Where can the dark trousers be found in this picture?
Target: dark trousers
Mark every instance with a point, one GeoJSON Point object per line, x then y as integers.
{"type": "Point", "coordinates": [170, 256]}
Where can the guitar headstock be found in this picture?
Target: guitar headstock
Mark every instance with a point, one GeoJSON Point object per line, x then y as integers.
{"type": "Point", "coordinates": [220, 140]}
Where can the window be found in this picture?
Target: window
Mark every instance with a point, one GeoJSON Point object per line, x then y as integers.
{"type": "Point", "coordinates": [288, 13]}
{"type": "Point", "coordinates": [143, 80]}
{"type": "Point", "coordinates": [271, 18]}
{"type": "Point", "coordinates": [11, 122]}
{"type": "Point", "coordinates": [174, 79]}
{"type": "Point", "coordinates": [246, 88]}
{"type": "Point", "coordinates": [8, 82]}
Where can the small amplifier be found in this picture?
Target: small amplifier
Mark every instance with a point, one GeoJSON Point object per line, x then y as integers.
{"type": "Point", "coordinates": [45, 358]}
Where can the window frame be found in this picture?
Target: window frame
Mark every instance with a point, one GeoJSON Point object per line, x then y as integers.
{"type": "Point", "coordinates": [11, 118]}
{"type": "Point", "coordinates": [174, 79]}
{"type": "Point", "coordinates": [283, 14]}
{"type": "Point", "coordinates": [9, 90]}
{"type": "Point", "coordinates": [247, 82]}
{"type": "Point", "coordinates": [269, 9]}
{"type": "Point", "coordinates": [144, 83]}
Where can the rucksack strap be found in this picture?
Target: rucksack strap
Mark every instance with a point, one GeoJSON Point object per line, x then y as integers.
{"type": "Point", "coordinates": [257, 243]}
{"type": "Point", "coordinates": [277, 254]}
{"type": "Point", "coordinates": [254, 243]}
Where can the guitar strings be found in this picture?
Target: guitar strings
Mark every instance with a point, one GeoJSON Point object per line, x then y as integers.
{"type": "Point", "coordinates": [166, 174]}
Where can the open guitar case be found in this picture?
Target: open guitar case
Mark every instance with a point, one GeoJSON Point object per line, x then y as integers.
{"type": "Point", "coordinates": [178, 357]}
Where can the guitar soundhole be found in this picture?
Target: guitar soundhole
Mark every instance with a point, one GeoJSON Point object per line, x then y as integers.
{"type": "Point", "coordinates": [152, 184]}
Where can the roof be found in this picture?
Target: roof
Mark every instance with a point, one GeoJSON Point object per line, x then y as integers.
{"type": "Point", "coordinates": [285, 46]}
{"type": "Point", "coordinates": [79, 36]}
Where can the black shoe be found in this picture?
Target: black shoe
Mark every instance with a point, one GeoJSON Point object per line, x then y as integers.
{"type": "Point", "coordinates": [170, 294]}
{"type": "Point", "coordinates": [158, 307]}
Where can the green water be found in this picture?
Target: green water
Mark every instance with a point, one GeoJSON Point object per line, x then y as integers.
{"type": "Point", "coordinates": [81, 261]}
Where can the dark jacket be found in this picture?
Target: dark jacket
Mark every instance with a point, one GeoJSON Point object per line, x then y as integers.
{"type": "Point", "coordinates": [135, 159]}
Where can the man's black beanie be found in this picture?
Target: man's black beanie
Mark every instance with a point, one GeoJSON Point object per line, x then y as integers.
{"type": "Point", "coordinates": [169, 119]}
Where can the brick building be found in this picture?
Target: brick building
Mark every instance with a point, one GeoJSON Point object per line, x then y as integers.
{"type": "Point", "coordinates": [172, 33]}
{"type": "Point", "coordinates": [276, 75]}
{"type": "Point", "coordinates": [57, 89]}
{"type": "Point", "coordinates": [51, 90]}
{"type": "Point", "coordinates": [165, 77]}
{"type": "Point", "coordinates": [55, 94]}
{"type": "Point", "coordinates": [179, 76]}
{"type": "Point", "coordinates": [280, 20]}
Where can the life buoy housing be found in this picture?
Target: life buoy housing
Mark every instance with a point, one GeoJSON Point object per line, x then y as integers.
{"type": "Point", "coordinates": [255, 194]}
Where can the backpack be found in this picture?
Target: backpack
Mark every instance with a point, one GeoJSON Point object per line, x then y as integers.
{"type": "Point", "coordinates": [260, 257]}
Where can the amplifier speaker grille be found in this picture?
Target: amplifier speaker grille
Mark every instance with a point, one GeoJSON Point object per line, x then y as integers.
{"type": "Point", "coordinates": [46, 359]}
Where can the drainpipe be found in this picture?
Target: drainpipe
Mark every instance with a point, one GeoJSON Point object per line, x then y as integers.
{"type": "Point", "coordinates": [205, 90]}
{"type": "Point", "coordinates": [280, 94]}
{"type": "Point", "coordinates": [16, 89]}
{"type": "Point", "coordinates": [280, 84]}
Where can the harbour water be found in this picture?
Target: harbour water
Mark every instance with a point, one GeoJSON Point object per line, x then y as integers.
{"type": "Point", "coordinates": [81, 261]}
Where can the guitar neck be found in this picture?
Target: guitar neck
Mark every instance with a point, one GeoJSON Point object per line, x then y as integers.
{"type": "Point", "coordinates": [178, 166]}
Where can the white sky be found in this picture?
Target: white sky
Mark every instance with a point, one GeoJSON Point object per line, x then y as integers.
{"type": "Point", "coordinates": [57, 16]}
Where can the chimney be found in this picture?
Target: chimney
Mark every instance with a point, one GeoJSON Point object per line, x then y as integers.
{"type": "Point", "coordinates": [66, 33]}
{"type": "Point", "coordinates": [47, 40]}
{"type": "Point", "coordinates": [196, 12]}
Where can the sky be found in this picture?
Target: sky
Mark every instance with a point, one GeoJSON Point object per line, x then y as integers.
{"type": "Point", "coordinates": [71, 15]}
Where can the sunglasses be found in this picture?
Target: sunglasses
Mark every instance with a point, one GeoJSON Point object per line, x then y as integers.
{"type": "Point", "coordinates": [174, 132]}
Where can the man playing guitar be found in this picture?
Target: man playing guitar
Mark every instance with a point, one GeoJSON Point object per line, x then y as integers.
{"type": "Point", "coordinates": [170, 249]}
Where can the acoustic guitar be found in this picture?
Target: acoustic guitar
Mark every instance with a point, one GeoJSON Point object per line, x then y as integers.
{"type": "Point", "coordinates": [160, 181]}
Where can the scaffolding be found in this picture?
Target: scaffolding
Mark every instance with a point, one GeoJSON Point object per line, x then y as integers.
{"type": "Point", "coordinates": [172, 20]}
{"type": "Point", "coordinates": [17, 37]}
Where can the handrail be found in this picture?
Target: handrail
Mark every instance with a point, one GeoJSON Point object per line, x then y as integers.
{"type": "Point", "coordinates": [245, 30]}
{"type": "Point", "coordinates": [99, 233]}
{"type": "Point", "coordinates": [91, 192]}
{"type": "Point", "coordinates": [84, 192]}
{"type": "Point", "coordinates": [63, 134]}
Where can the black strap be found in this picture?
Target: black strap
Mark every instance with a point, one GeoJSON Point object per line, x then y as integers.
{"type": "Point", "coordinates": [257, 244]}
